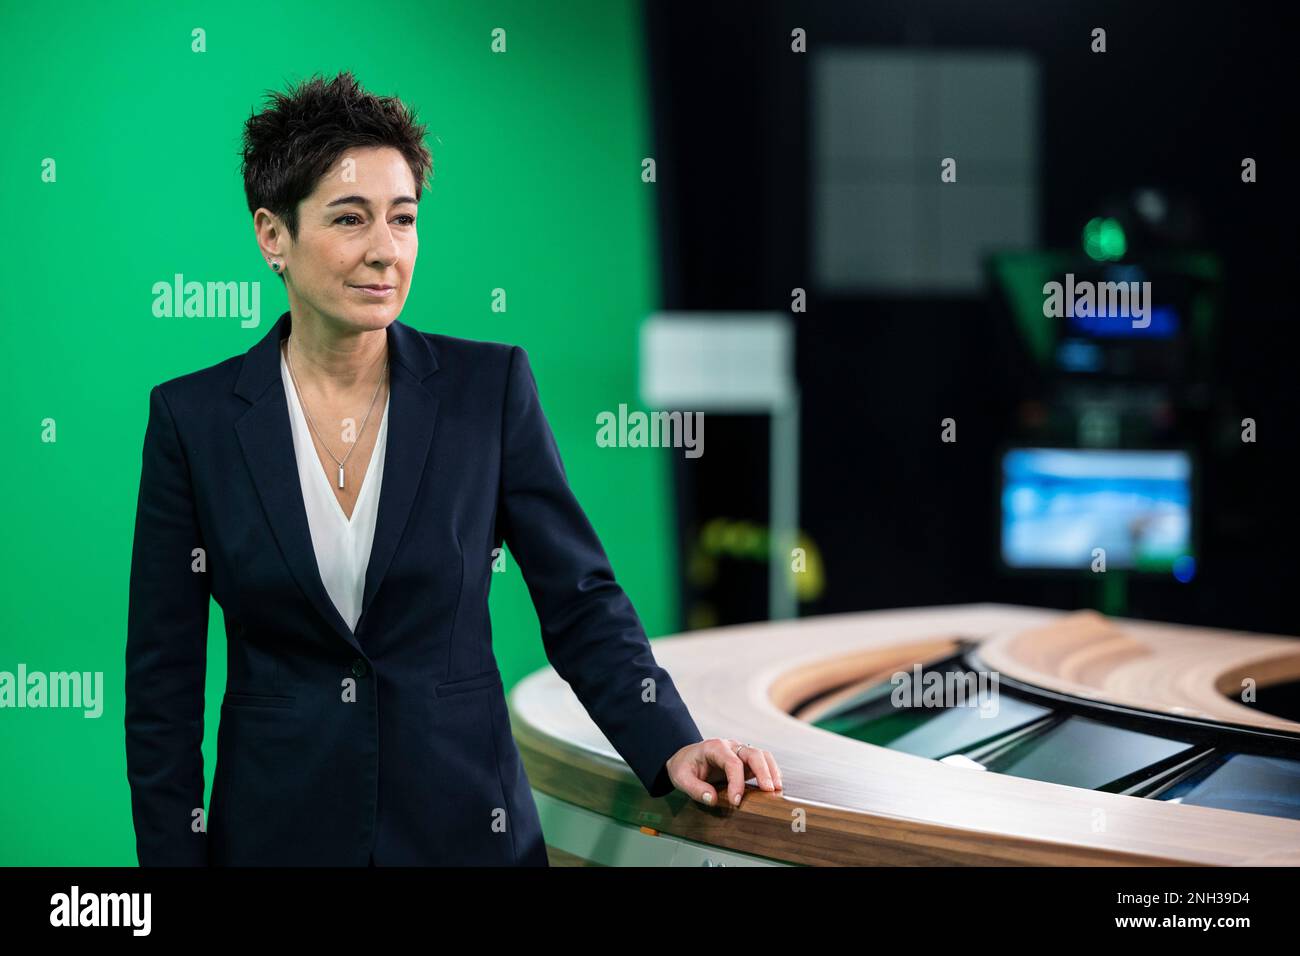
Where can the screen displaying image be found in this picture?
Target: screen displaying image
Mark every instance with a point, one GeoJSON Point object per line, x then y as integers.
{"type": "Point", "coordinates": [1059, 505]}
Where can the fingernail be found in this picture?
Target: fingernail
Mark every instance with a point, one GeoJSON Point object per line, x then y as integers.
{"type": "Point", "coordinates": [736, 799]}
{"type": "Point", "coordinates": [708, 798]}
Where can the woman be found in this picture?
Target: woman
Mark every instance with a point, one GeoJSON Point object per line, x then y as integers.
{"type": "Point", "coordinates": [340, 490]}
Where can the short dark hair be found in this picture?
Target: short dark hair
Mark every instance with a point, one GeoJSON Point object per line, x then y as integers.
{"type": "Point", "coordinates": [290, 145]}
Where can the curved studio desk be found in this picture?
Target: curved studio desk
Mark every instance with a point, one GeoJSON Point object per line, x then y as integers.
{"type": "Point", "coordinates": [1113, 741]}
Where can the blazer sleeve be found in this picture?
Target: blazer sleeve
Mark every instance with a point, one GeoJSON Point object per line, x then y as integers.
{"type": "Point", "coordinates": [590, 631]}
{"type": "Point", "coordinates": [166, 654]}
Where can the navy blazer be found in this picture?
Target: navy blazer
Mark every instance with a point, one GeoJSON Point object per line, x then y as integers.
{"type": "Point", "coordinates": [392, 745]}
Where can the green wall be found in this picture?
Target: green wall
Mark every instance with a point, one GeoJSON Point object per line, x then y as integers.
{"type": "Point", "coordinates": [536, 189]}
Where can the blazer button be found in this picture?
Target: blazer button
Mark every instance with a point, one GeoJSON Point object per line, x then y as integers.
{"type": "Point", "coordinates": [359, 667]}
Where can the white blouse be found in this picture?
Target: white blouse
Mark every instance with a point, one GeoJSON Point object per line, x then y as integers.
{"type": "Point", "coordinates": [342, 546]}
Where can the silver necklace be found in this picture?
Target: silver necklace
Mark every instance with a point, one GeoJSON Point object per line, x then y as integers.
{"type": "Point", "coordinates": [287, 345]}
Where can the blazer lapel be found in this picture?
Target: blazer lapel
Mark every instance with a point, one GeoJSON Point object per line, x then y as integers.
{"type": "Point", "coordinates": [267, 442]}
{"type": "Point", "coordinates": [413, 408]}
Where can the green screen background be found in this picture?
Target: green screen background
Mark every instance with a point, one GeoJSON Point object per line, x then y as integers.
{"type": "Point", "coordinates": [536, 189]}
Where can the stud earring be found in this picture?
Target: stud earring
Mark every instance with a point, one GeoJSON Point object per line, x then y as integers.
{"type": "Point", "coordinates": [276, 265]}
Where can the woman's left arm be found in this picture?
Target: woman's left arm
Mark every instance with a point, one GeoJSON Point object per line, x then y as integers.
{"type": "Point", "coordinates": [590, 631]}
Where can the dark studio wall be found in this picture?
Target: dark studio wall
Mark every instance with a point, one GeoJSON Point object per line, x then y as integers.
{"type": "Point", "coordinates": [1184, 92]}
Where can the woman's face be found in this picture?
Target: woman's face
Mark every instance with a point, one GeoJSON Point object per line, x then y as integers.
{"type": "Point", "coordinates": [356, 229]}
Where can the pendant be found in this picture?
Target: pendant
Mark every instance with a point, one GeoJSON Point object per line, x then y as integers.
{"type": "Point", "coordinates": [340, 476]}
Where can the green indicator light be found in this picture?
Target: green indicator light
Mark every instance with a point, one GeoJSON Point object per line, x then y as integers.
{"type": "Point", "coordinates": [1113, 242]}
{"type": "Point", "coordinates": [1103, 239]}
